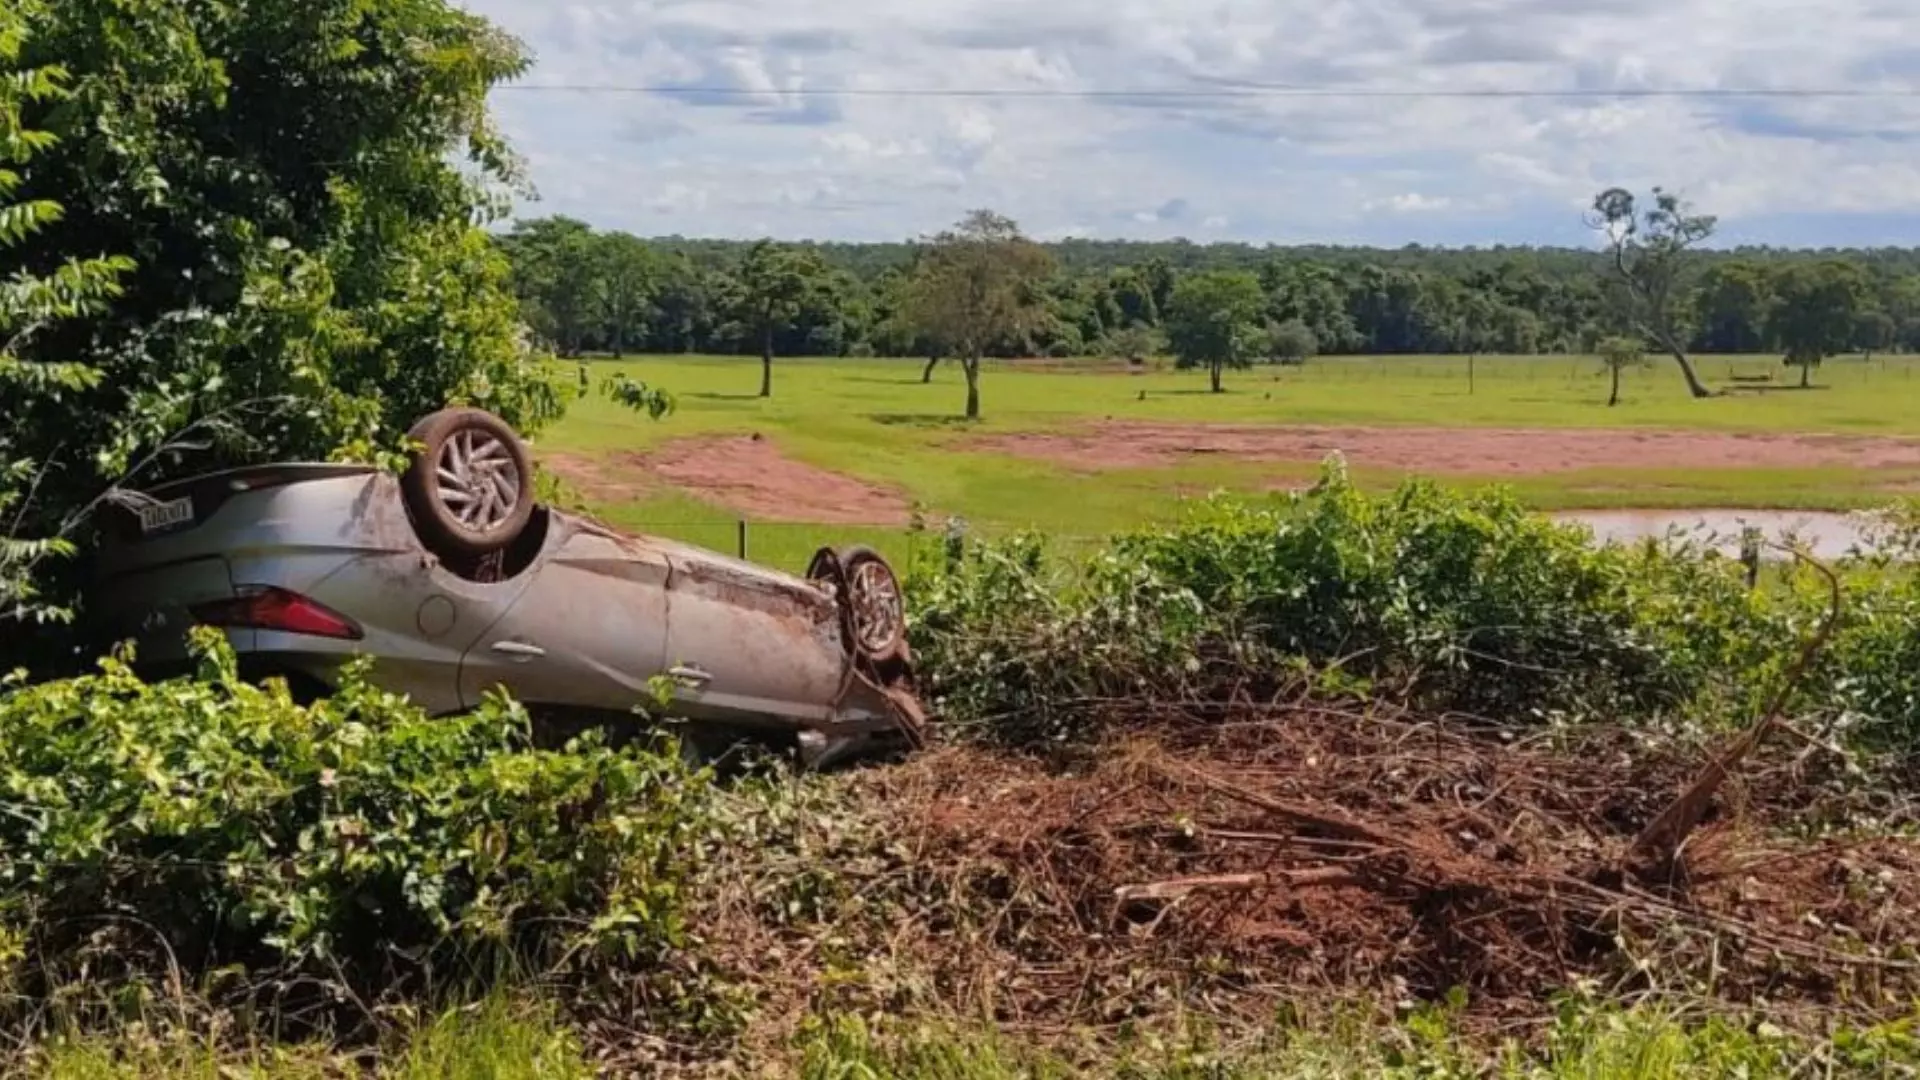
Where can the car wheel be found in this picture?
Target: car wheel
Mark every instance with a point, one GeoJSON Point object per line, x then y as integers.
{"type": "Point", "coordinates": [876, 603]}
{"type": "Point", "coordinates": [470, 487]}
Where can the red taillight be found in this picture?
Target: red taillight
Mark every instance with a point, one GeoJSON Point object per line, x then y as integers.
{"type": "Point", "coordinates": [264, 607]}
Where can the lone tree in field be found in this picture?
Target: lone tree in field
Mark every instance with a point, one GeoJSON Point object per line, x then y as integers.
{"type": "Point", "coordinates": [771, 287]}
{"type": "Point", "coordinates": [1815, 312]}
{"type": "Point", "coordinates": [977, 285]}
{"type": "Point", "coordinates": [1648, 253]}
{"type": "Point", "coordinates": [1620, 353]}
{"type": "Point", "coordinates": [1214, 321]}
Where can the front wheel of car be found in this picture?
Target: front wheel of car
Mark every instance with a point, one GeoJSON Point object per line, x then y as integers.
{"type": "Point", "coordinates": [877, 604]}
{"type": "Point", "coordinates": [470, 487]}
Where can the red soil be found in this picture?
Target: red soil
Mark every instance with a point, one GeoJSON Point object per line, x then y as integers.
{"type": "Point", "coordinates": [746, 474]}
{"type": "Point", "coordinates": [1471, 451]}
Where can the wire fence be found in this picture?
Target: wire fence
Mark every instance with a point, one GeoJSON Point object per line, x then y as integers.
{"type": "Point", "coordinates": [1463, 370]}
{"type": "Point", "coordinates": [790, 545]}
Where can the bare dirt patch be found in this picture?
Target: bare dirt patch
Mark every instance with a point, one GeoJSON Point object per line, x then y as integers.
{"type": "Point", "coordinates": [744, 473]}
{"type": "Point", "coordinates": [1469, 451]}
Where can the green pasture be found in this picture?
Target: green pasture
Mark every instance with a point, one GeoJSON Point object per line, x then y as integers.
{"type": "Point", "coordinates": [874, 419]}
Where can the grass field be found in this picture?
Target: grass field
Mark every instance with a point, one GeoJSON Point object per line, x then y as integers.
{"type": "Point", "coordinates": [875, 422]}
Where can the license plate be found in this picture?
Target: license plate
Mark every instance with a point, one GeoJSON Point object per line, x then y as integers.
{"type": "Point", "coordinates": [166, 515]}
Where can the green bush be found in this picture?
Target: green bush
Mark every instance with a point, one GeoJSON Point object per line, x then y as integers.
{"type": "Point", "coordinates": [210, 822]}
{"type": "Point", "coordinates": [1463, 602]}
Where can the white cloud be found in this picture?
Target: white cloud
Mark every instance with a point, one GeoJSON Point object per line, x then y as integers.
{"type": "Point", "coordinates": [1411, 202]}
{"type": "Point", "coordinates": [806, 141]}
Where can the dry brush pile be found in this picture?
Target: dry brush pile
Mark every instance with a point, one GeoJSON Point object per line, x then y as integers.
{"type": "Point", "coordinates": [1229, 862]}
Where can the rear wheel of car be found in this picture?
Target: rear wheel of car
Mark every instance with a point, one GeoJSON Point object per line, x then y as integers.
{"type": "Point", "coordinates": [470, 487]}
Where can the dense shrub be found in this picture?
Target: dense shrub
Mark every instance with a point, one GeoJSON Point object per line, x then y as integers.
{"type": "Point", "coordinates": [221, 823]}
{"type": "Point", "coordinates": [1442, 600]}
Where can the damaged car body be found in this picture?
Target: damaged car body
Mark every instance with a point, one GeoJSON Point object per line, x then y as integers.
{"type": "Point", "coordinates": [456, 582]}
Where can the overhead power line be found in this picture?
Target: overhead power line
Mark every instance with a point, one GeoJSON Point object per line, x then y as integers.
{"type": "Point", "coordinates": [1223, 92]}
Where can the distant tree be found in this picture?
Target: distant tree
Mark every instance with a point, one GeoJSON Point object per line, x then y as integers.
{"type": "Point", "coordinates": [1316, 295]}
{"type": "Point", "coordinates": [1618, 354]}
{"type": "Point", "coordinates": [1132, 295]}
{"type": "Point", "coordinates": [1160, 280]}
{"type": "Point", "coordinates": [1874, 331]}
{"type": "Point", "coordinates": [685, 307]}
{"type": "Point", "coordinates": [1214, 321]}
{"type": "Point", "coordinates": [1134, 344]}
{"type": "Point", "coordinates": [1649, 255]}
{"type": "Point", "coordinates": [1816, 306]}
{"type": "Point", "coordinates": [769, 288]}
{"type": "Point", "coordinates": [977, 283]}
{"type": "Point", "coordinates": [1292, 342]}
{"type": "Point", "coordinates": [629, 274]}
{"type": "Point", "coordinates": [1731, 306]}
{"type": "Point", "coordinates": [558, 276]}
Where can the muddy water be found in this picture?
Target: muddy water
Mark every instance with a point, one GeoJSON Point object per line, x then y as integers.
{"type": "Point", "coordinates": [1826, 535]}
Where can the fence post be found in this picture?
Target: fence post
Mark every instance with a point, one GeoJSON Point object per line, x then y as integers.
{"type": "Point", "coordinates": [1750, 554]}
{"type": "Point", "coordinates": [742, 538]}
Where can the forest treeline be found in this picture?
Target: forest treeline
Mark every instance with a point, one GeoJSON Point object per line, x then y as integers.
{"type": "Point", "coordinates": [587, 290]}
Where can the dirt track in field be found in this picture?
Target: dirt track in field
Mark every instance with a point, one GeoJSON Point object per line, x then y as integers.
{"type": "Point", "coordinates": [744, 473]}
{"type": "Point", "coordinates": [1468, 451]}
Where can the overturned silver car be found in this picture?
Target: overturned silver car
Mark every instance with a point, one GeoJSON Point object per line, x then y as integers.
{"type": "Point", "coordinates": [456, 581]}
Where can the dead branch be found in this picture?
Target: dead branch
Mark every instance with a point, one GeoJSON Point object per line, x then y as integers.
{"type": "Point", "coordinates": [1670, 830]}
{"type": "Point", "coordinates": [1180, 888]}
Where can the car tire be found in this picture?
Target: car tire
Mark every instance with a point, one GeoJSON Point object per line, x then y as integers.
{"type": "Point", "coordinates": [876, 605]}
{"type": "Point", "coordinates": [470, 486]}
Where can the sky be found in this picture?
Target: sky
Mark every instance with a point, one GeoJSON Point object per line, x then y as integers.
{"type": "Point", "coordinates": [1156, 119]}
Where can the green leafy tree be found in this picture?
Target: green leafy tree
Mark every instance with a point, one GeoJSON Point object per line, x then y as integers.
{"type": "Point", "coordinates": [287, 177]}
{"type": "Point", "coordinates": [770, 287]}
{"type": "Point", "coordinates": [1814, 312]}
{"type": "Point", "coordinates": [1874, 331]}
{"type": "Point", "coordinates": [1313, 294]}
{"type": "Point", "coordinates": [1292, 342]}
{"type": "Point", "coordinates": [1650, 254]}
{"type": "Point", "coordinates": [1133, 300]}
{"type": "Point", "coordinates": [1214, 321]}
{"type": "Point", "coordinates": [1731, 306]}
{"type": "Point", "coordinates": [29, 303]}
{"type": "Point", "coordinates": [560, 277]}
{"type": "Point", "coordinates": [685, 307]}
{"type": "Point", "coordinates": [1618, 354]}
{"type": "Point", "coordinates": [976, 285]}
{"type": "Point", "coordinates": [628, 275]}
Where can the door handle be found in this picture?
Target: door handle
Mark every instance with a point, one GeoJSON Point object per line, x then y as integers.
{"type": "Point", "coordinates": [693, 675]}
{"type": "Point", "coordinates": [520, 650]}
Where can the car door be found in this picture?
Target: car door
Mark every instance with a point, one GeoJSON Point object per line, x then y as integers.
{"type": "Point", "coordinates": [588, 631]}
{"type": "Point", "coordinates": [747, 645]}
